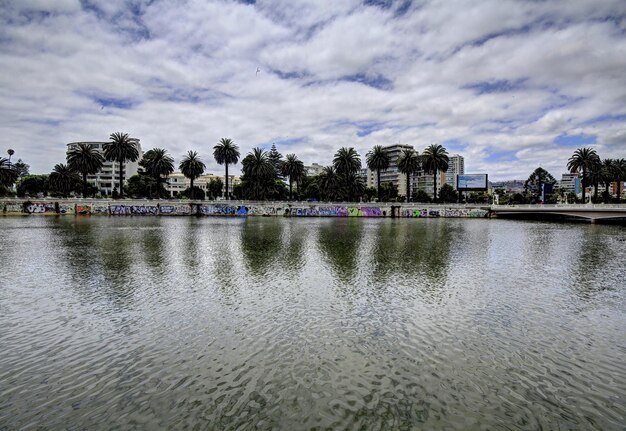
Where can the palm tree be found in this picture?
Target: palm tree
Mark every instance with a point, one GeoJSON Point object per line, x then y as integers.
{"type": "Point", "coordinates": [8, 173]}
{"type": "Point", "coordinates": [607, 172]}
{"type": "Point", "coordinates": [120, 149]}
{"type": "Point", "coordinates": [408, 163]}
{"type": "Point", "coordinates": [159, 164]}
{"type": "Point", "coordinates": [329, 182]}
{"type": "Point", "coordinates": [63, 179]}
{"type": "Point", "coordinates": [583, 159]}
{"type": "Point", "coordinates": [10, 152]}
{"type": "Point", "coordinates": [292, 168]}
{"type": "Point", "coordinates": [619, 172]}
{"type": "Point", "coordinates": [84, 159]}
{"type": "Point", "coordinates": [346, 162]}
{"type": "Point", "coordinates": [192, 167]}
{"type": "Point", "coordinates": [434, 159]}
{"type": "Point", "coordinates": [226, 152]}
{"type": "Point", "coordinates": [258, 172]}
{"type": "Point", "coordinates": [378, 160]}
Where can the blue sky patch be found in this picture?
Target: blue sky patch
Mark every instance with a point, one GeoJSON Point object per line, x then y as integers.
{"type": "Point", "coordinates": [111, 102]}
{"type": "Point", "coordinates": [497, 86]}
{"type": "Point", "coordinates": [501, 156]}
{"type": "Point", "coordinates": [377, 81]}
{"type": "Point", "coordinates": [581, 140]}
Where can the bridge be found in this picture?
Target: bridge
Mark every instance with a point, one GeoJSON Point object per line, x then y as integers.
{"type": "Point", "coordinates": [593, 213]}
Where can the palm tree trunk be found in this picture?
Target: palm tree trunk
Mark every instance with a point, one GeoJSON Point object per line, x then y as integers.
{"type": "Point", "coordinates": [289, 188]}
{"type": "Point", "coordinates": [158, 181]}
{"type": "Point", "coordinates": [619, 189]}
{"type": "Point", "coordinates": [606, 191]}
{"type": "Point", "coordinates": [378, 181]}
{"type": "Point", "coordinates": [121, 181]}
{"type": "Point", "coordinates": [84, 185]}
{"type": "Point", "coordinates": [582, 182]}
{"type": "Point", "coordinates": [408, 187]}
{"type": "Point", "coordinates": [435, 185]}
{"type": "Point", "coordinates": [595, 192]}
{"type": "Point", "coordinates": [191, 188]}
{"type": "Point", "coordinates": [226, 182]}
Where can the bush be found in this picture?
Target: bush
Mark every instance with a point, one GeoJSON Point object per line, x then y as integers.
{"type": "Point", "coordinates": [198, 193]}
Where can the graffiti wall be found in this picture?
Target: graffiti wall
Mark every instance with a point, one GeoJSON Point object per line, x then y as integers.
{"type": "Point", "coordinates": [217, 210]}
{"type": "Point", "coordinates": [333, 212]}
{"type": "Point", "coordinates": [11, 208]}
{"type": "Point", "coordinates": [40, 208]}
{"type": "Point", "coordinates": [65, 208]}
{"type": "Point", "coordinates": [182, 209]}
{"type": "Point", "coordinates": [446, 212]}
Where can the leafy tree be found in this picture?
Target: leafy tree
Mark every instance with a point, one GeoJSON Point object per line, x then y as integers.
{"type": "Point", "coordinates": [420, 195]}
{"type": "Point", "coordinates": [533, 185]}
{"type": "Point", "coordinates": [258, 174]}
{"type": "Point", "coordinates": [121, 149]}
{"type": "Point", "coordinates": [408, 164]}
{"type": "Point", "coordinates": [32, 185]}
{"type": "Point", "coordinates": [435, 159]}
{"type": "Point", "coordinates": [192, 167]}
{"type": "Point", "coordinates": [388, 192]}
{"type": "Point", "coordinates": [85, 160]}
{"type": "Point", "coordinates": [378, 160]}
{"type": "Point", "coordinates": [347, 164]}
{"type": "Point", "coordinates": [585, 160]}
{"type": "Point", "coordinates": [447, 194]}
{"type": "Point", "coordinates": [215, 187]}
{"type": "Point", "coordinates": [63, 179]}
{"type": "Point", "coordinates": [369, 194]}
{"type": "Point", "coordinates": [226, 152]}
{"type": "Point", "coordinates": [238, 191]}
{"type": "Point", "coordinates": [159, 164]}
{"type": "Point", "coordinates": [292, 168]}
{"type": "Point", "coordinates": [143, 185]}
{"type": "Point", "coordinates": [607, 175]}
{"type": "Point", "coordinates": [353, 188]}
{"type": "Point", "coordinates": [21, 168]}
{"type": "Point", "coordinates": [619, 173]}
{"type": "Point", "coordinates": [195, 194]}
{"type": "Point", "coordinates": [8, 173]}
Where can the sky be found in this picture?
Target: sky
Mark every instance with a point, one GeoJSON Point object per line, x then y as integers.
{"type": "Point", "coordinates": [511, 85]}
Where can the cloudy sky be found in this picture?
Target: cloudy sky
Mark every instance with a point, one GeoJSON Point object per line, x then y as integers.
{"type": "Point", "coordinates": [510, 85]}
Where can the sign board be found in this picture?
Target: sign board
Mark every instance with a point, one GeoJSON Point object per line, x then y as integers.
{"type": "Point", "coordinates": [471, 182]}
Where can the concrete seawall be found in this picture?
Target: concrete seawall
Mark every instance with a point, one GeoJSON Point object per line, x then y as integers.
{"type": "Point", "coordinates": [235, 208]}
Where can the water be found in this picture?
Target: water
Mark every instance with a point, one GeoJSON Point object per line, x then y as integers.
{"type": "Point", "coordinates": [274, 323]}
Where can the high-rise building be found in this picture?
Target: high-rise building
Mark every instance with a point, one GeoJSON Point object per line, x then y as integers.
{"type": "Point", "coordinates": [570, 183]}
{"type": "Point", "coordinates": [392, 173]}
{"type": "Point", "coordinates": [108, 178]}
{"type": "Point", "coordinates": [456, 166]}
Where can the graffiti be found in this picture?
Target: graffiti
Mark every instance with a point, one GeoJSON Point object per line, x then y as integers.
{"type": "Point", "coordinates": [175, 210]}
{"type": "Point", "coordinates": [40, 208]}
{"type": "Point", "coordinates": [217, 210]}
{"type": "Point", "coordinates": [83, 210]}
{"type": "Point", "coordinates": [66, 209]}
{"type": "Point", "coordinates": [304, 212]}
{"type": "Point", "coordinates": [354, 212]}
{"type": "Point", "coordinates": [333, 211]}
{"type": "Point", "coordinates": [119, 210]}
{"type": "Point", "coordinates": [264, 211]}
{"type": "Point", "coordinates": [144, 209]}
{"type": "Point", "coordinates": [99, 209]}
{"type": "Point", "coordinates": [13, 208]}
{"type": "Point", "coordinates": [478, 213]}
{"type": "Point", "coordinates": [371, 212]}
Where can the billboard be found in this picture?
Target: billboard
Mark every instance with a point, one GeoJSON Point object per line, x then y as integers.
{"type": "Point", "coordinates": [471, 182]}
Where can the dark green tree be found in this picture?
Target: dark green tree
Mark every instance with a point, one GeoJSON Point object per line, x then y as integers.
{"type": "Point", "coordinates": [226, 152]}
{"type": "Point", "coordinates": [377, 160]}
{"type": "Point", "coordinates": [435, 159]}
{"type": "Point", "coordinates": [215, 187]}
{"type": "Point", "coordinates": [420, 195]}
{"type": "Point", "coordinates": [63, 179]}
{"type": "Point", "coordinates": [292, 168]}
{"type": "Point", "coordinates": [329, 183]}
{"type": "Point", "coordinates": [192, 167]}
{"type": "Point", "coordinates": [8, 173]}
{"type": "Point", "coordinates": [86, 160]}
{"type": "Point", "coordinates": [533, 185]}
{"type": "Point", "coordinates": [21, 168]}
{"type": "Point", "coordinates": [121, 149]}
{"type": "Point", "coordinates": [258, 174]}
{"type": "Point", "coordinates": [619, 172]}
{"type": "Point", "coordinates": [388, 192]}
{"type": "Point", "coordinates": [158, 164]}
{"type": "Point", "coordinates": [583, 160]}
{"type": "Point", "coordinates": [607, 174]}
{"type": "Point", "coordinates": [32, 185]}
{"type": "Point", "coordinates": [347, 164]}
{"type": "Point", "coordinates": [408, 164]}
{"type": "Point", "coordinates": [448, 194]}
{"type": "Point", "coordinates": [277, 159]}
{"type": "Point", "coordinates": [143, 185]}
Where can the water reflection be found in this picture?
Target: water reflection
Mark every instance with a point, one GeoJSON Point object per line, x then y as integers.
{"type": "Point", "coordinates": [339, 242]}
{"type": "Point", "coordinates": [261, 243]}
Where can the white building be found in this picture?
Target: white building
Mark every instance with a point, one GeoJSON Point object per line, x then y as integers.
{"type": "Point", "coordinates": [109, 178]}
{"type": "Point", "coordinates": [314, 169]}
{"type": "Point", "coordinates": [392, 173]}
{"type": "Point", "coordinates": [570, 183]}
{"type": "Point", "coordinates": [456, 166]}
{"type": "Point", "coordinates": [176, 182]}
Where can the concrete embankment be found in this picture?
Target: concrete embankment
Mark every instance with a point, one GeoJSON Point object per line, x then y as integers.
{"type": "Point", "coordinates": [85, 207]}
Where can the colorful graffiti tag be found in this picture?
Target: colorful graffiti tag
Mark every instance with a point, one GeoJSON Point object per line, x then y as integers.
{"type": "Point", "coordinates": [40, 208]}
{"type": "Point", "coordinates": [176, 209]}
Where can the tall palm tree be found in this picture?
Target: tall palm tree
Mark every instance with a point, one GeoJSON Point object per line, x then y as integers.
{"type": "Point", "coordinates": [607, 176]}
{"type": "Point", "coordinates": [63, 179]}
{"type": "Point", "coordinates": [347, 161]}
{"type": "Point", "coordinates": [10, 152]}
{"type": "Point", "coordinates": [258, 172]}
{"type": "Point", "coordinates": [121, 149]}
{"type": "Point", "coordinates": [8, 173]}
{"type": "Point", "coordinates": [292, 168]}
{"type": "Point", "coordinates": [435, 159]}
{"type": "Point", "coordinates": [583, 159]}
{"type": "Point", "coordinates": [329, 182]}
{"type": "Point", "coordinates": [226, 152]}
{"type": "Point", "coordinates": [86, 160]}
{"type": "Point", "coordinates": [408, 163]}
{"type": "Point", "coordinates": [159, 164]}
{"type": "Point", "coordinates": [619, 172]}
{"type": "Point", "coordinates": [378, 160]}
{"type": "Point", "coordinates": [192, 167]}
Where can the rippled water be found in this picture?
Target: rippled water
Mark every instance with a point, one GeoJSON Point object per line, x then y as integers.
{"type": "Point", "coordinates": [274, 323]}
